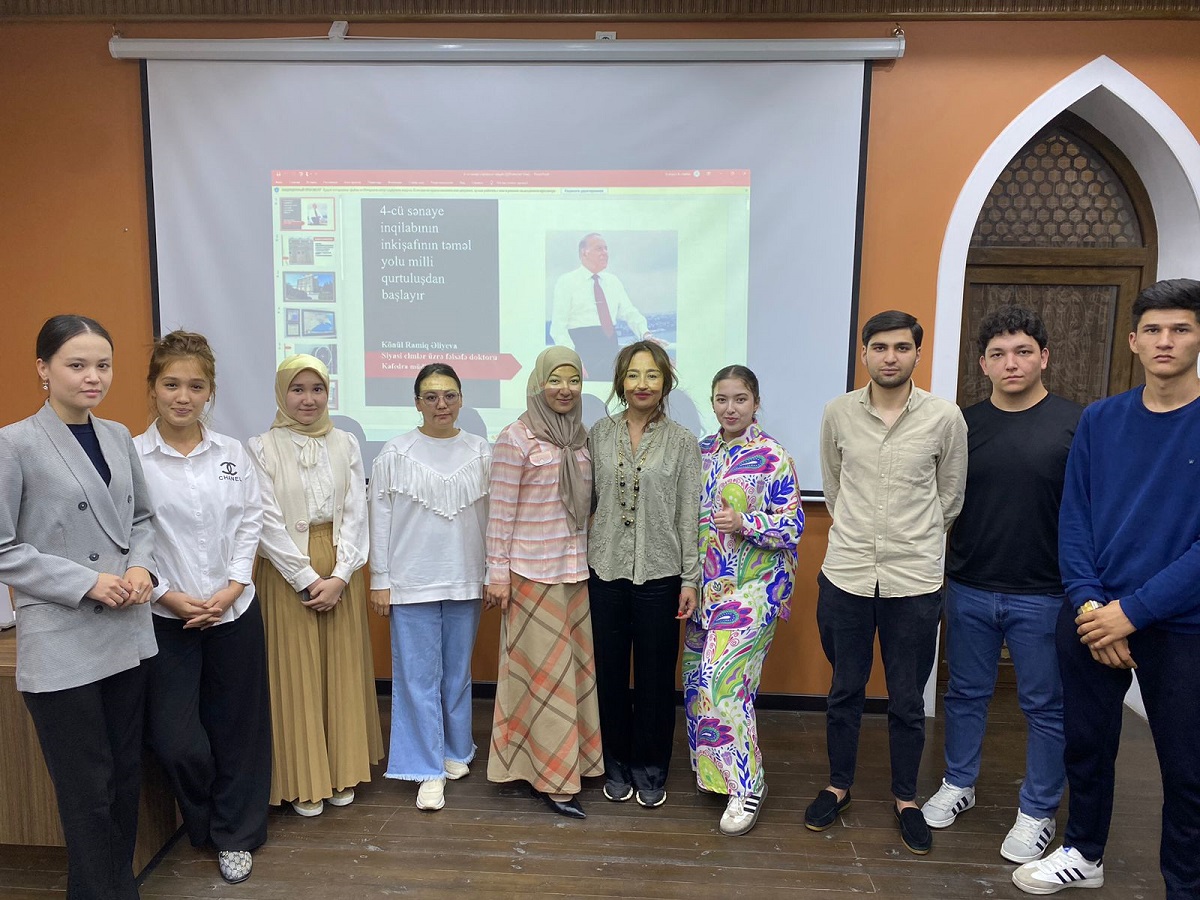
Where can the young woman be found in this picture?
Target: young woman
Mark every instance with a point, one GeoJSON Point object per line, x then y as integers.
{"type": "Point", "coordinates": [546, 729]}
{"type": "Point", "coordinates": [750, 525]}
{"type": "Point", "coordinates": [428, 519]}
{"type": "Point", "coordinates": [76, 546]}
{"type": "Point", "coordinates": [324, 713]}
{"type": "Point", "coordinates": [644, 570]}
{"type": "Point", "coordinates": [207, 708]}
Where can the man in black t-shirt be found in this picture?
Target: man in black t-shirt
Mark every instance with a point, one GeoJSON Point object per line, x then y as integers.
{"type": "Point", "coordinates": [1003, 584]}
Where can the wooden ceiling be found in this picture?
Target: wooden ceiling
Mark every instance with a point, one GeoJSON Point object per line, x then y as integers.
{"type": "Point", "coordinates": [593, 11]}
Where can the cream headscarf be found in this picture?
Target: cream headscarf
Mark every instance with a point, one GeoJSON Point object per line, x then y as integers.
{"type": "Point", "coordinates": [287, 371]}
{"type": "Point", "coordinates": [560, 429]}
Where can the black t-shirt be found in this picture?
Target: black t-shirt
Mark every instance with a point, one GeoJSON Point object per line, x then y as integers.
{"type": "Point", "coordinates": [1006, 537]}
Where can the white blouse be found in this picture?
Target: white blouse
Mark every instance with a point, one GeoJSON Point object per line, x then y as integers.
{"type": "Point", "coordinates": [277, 544]}
{"type": "Point", "coordinates": [207, 517]}
{"type": "Point", "coordinates": [429, 510]}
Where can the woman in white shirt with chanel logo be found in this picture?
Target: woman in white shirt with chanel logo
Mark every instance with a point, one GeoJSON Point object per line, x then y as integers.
{"type": "Point", "coordinates": [324, 712]}
{"type": "Point", "coordinates": [207, 707]}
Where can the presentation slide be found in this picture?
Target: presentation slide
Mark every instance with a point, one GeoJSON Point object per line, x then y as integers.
{"type": "Point", "coordinates": [476, 213]}
{"type": "Point", "coordinates": [379, 273]}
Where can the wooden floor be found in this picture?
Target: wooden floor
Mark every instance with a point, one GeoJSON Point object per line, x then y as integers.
{"type": "Point", "coordinates": [493, 841]}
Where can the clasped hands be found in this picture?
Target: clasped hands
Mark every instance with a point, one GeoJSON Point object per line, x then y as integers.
{"type": "Point", "coordinates": [116, 591]}
{"type": "Point", "coordinates": [1105, 632]}
{"type": "Point", "coordinates": [197, 613]}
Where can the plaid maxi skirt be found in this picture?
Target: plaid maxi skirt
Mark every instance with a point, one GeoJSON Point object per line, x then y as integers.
{"type": "Point", "coordinates": [546, 728]}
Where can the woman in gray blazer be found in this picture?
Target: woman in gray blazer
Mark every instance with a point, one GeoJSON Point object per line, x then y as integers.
{"type": "Point", "coordinates": [74, 513]}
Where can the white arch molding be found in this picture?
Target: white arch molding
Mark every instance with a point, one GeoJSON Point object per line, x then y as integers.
{"type": "Point", "coordinates": [1161, 149]}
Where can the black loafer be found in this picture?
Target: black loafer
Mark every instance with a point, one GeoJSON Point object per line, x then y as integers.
{"type": "Point", "coordinates": [823, 811]}
{"type": "Point", "coordinates": [618, 791]}
{"type": "Point", "coordinates": [569, 808]}
{"type": "Point", "coordinates": [914, 830]}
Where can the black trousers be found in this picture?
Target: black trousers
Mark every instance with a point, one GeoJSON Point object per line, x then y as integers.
{"type": "Point", "coordinates": [638, 727]}
{"type": "Point", "coordinates": [208, 720]}
{"type": "Point", "coordinates": [91, 738]}
{"type": "Point", "coordinates": [1093, 698]}
{"type": "Point", "coordinates": [596, 350]}
{"type": "Point", "coordinates": [907, 628]}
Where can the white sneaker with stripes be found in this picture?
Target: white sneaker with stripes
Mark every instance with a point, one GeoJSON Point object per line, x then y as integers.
{"type": "Point", "coordinates": [943, 808]}
{"type": "Point", "coordinates": [1064, 868]}
{"type": "Point", "coordinates": [1028, 839]}
{"type": "Point", "coordinates": [742, 812]}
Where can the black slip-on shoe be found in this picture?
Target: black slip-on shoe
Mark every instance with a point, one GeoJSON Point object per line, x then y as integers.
{"type": "Point", "coordinates": [824, 810]}
{"type": "Point", "coordinates": [914, 830]}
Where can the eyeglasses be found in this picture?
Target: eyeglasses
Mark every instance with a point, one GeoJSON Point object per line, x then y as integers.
{"type": "Point", "coordinates": [431, 398]}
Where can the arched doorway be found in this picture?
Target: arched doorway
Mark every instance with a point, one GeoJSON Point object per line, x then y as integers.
{"type": "Point", "coordinates": [1068, 231]}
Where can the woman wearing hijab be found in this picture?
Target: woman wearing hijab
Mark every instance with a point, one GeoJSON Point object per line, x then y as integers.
{"type": "Point", "coordinates": [546, 729]}
{"type": "Point", "coordinates": [309, 578]}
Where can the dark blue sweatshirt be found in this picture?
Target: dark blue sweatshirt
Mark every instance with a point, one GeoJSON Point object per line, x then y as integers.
{"type": "Point", "coordinates": [1129, 526]}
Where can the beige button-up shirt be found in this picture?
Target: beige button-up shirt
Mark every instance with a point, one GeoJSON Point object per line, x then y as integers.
{"type": "Point", "coordinates": [892, 492]}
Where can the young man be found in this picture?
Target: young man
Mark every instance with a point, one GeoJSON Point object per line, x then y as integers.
{"type": "Point", "coordinates": [1130, 558]}
{"type": "Point", "coordinates": [893, 463]}
{"type": "Point", "coordinates": [1003, 584]}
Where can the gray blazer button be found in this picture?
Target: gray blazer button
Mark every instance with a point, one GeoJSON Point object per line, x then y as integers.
{"type": "Point", "coordinates": [93, 556]}
{"type": "Point", "coordinates": [99, 608]}
{"type": "Point", "coordinates": [124, 551]}
{"type": "Point", "coordinates": [82, 504]}
{"type": "Point", "coordinates": [129, 498]}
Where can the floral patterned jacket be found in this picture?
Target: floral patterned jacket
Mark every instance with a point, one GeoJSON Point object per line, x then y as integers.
{"type": "Point", "coordinates": [757, 477]}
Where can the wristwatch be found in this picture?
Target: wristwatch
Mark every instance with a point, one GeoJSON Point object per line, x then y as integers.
{"type": "Point", "coordinates": [1089, 606]}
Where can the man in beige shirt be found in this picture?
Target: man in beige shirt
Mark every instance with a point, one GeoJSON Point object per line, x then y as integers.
{"type": "Point", "coordinates": [894, 467]}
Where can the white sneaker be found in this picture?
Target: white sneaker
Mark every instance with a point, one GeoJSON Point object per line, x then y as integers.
{"type": "Point", "coordinates": [943, 808]}
{"type": "Point", "coordinates": [431, 795]}
{"type": "Point", "coordinates": [343, 797]}
{"type": "Point", "coordinates": [1028, 839]}
{"type": "Point", "coordinates": [308, 808]}
{"type": "Point", "coordinates": [1064, 868]}
{"type": "Point", "coordinates": [456, 770]}
{"type": "Point", "coordinates": [741, 813]}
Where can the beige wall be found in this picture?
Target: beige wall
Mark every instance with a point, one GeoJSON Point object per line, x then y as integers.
{"type": "Point", "coordinates": [72, 190]}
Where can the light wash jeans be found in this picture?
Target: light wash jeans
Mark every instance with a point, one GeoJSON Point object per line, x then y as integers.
{"type": "Point", "coordinates": [977, 623]}
{"type": "Point", "coordinates": [431, 687]}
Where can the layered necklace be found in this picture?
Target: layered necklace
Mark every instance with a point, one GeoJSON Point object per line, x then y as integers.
{"type": "Point", "coordinates": [629, 484]}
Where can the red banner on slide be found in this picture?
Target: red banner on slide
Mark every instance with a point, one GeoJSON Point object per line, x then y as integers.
{"type": "Point", "coordinates": [469, 366]}
{"type": "Point", "coordinates": [450, 178]}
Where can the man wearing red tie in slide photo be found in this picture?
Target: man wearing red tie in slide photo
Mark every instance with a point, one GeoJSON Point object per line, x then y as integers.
{"type": "Point", "coordinates": [588, 302]}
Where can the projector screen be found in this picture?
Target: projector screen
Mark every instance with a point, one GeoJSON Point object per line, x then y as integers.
{"type": "Point", "coordinates": [384, 216]}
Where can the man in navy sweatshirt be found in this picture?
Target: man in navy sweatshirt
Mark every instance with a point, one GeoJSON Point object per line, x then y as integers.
{"type": "Point", "coordinates": [1129, 549]}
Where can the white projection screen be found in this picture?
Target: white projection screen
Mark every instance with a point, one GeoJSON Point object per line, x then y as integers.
{"type": "Point", "coordinates": [383, 216]}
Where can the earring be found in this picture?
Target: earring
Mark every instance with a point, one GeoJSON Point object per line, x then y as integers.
{"type": "Point", "coordinates": [45, 385]}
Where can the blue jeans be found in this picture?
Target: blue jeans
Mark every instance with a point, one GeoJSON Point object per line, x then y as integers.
{"type": "Point", "coordinates": [431, 687]}
{"type": "Point", "coordinates": [977, 623]}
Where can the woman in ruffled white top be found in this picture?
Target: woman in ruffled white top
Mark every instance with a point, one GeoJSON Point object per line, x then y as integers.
{"type": "Point", "coordinates": [428, 503]}
{"type": "Point", "coordinates": [309, 578]}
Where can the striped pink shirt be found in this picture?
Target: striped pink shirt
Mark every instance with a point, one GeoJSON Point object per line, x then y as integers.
{"type": "Point", "coordinates": [528, 531]}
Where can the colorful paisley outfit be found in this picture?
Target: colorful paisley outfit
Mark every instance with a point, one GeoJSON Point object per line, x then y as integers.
{"type": "Point", "coordinates": [747, 583]}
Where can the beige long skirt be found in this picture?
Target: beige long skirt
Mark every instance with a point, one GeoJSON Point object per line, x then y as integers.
{"type": "Point", "coordinates": [324, 712]}
{"type": "Point", "coordinates": [546, 725]}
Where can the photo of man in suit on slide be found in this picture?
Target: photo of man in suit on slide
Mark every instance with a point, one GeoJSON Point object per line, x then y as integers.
{"type": "Point", "coordinates": [589, 302]}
